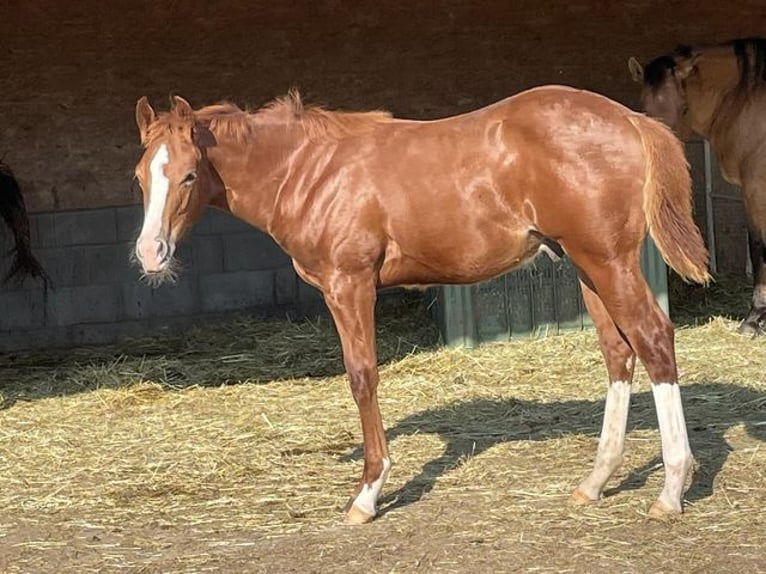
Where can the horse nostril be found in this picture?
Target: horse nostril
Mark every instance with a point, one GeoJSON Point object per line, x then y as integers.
{"type": "Point", "coordinates": [163, 250]}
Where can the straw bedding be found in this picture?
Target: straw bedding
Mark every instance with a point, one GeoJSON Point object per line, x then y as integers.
{"type": "Point", "coordinates": [232, 450]}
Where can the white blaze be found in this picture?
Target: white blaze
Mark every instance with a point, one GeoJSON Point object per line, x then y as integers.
{"type": "Point", "coordinates": [158, 194]}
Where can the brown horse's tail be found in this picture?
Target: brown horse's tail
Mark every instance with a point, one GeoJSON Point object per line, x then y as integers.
{"type": "Point", "coordinates": [668, 201]}
{"type": "Point", "coordinates": [14, 213]}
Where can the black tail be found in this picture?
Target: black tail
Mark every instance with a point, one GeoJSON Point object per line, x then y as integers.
{"type": "Point", "coordinates": [14, 213]}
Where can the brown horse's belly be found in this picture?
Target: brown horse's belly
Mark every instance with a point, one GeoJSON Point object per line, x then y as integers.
{"type": "Point", "coordinates": [454, 266]}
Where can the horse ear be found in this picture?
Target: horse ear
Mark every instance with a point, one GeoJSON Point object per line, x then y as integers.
{"type": "Point", "coordinates": [636, 70]}
{"type": "Point", "coordinates": [181, 107]}
{"type": "Point", "coordinates": [144, 117]}
{"type": "Point", "coordinates": [685, 67]}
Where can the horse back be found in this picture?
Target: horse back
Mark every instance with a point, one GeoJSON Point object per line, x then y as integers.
{"type": "Point", "coordinates": [471, 194]}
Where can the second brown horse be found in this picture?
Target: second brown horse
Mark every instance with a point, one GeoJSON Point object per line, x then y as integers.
{"type": "Point", "coordinates": [362, 201]}
{"type": "Point", "coordinates": [718, 91]}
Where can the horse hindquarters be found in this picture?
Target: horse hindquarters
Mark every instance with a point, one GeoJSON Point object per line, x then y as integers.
{"type": "Point", "coordinates": [638, 320]}
{"type": "Point", "coordinates": [616, 287]}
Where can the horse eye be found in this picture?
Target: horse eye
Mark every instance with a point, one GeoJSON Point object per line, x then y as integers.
{"type": "Point", "coordinates": [189, 178]}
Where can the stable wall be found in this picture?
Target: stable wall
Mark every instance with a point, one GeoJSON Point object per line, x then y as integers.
{"type": "Point", "coordinates": [227, 267]}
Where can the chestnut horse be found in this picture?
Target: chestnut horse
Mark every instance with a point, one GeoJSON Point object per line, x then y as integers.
{"type": "Point", "coordinates": [14, 213]}
{"type": "Point", "coordinates": [719, 92]}
{"type": "Point", "coordinates": [362, 201]}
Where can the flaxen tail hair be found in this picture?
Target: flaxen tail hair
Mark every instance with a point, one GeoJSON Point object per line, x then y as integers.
{"type": "Point", "coordinates": [668, 201]}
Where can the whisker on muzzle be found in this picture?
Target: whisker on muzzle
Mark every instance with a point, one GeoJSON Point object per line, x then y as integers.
{"type": "Point", "coordinates": [169, 273]}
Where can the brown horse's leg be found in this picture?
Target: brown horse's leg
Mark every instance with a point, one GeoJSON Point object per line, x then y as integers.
{"type": "Point", "coordinates": [352, 304]}
{"type": "Point", "coordinates": [620, 361]}
{"type": "Point", "coordinates": [631, 305]}
{"type": "Point", "coordinates": [754, 194]}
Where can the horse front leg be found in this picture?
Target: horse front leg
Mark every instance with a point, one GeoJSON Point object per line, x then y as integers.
{"type": "Point", "coordinates": [351, 301]}
{"type": "Point", "coordinates": [620, 362]}
{"type": "Point", "coordinates": [755, 322]}
{"type": "Point", "coordinates": [754, 197]}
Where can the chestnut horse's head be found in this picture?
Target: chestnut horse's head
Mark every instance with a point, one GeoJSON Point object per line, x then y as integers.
{"type": "Point", "coordinates": [173, 177]}
{"type": "Point", "coordinates": [663, 95]}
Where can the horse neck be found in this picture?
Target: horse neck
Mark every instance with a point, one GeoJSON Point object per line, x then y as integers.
{"type": "Point", "coordinates": [252, 170]}
{"type": "Point", "coordinates": [710, 91]}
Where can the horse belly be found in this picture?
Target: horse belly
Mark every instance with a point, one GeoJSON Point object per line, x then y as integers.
{"type": "Point", "coordinates": [472, 261]}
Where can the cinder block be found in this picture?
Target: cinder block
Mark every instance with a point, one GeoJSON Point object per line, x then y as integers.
{"type": "Point", "coordinates": [184, 256]}
{"type": "Point", "coordinates": [22, 310]}
{"type": "Point", "coordinates": [143, 302]}
{"type": "Point", "coordinates": [58, 262]}
{"type": "Point", "coordinates": [129, 221]}
{"type": "Point", "coordinates": [252, 251]}
{"type": "Point", "coordinates": [308, 294]}
{"type": "Point", "coordinates": [207, 254]}
{"type": "Point", "coordinates": [87, 304]}
{"type": "Point", "coordinates": [237, 290]}
{"type": "Point", "coordinates": [103, 333]}
{"type": "Point", "coordinates": [88, 264]}
{"type": "Point", "coordinates": [97, 264]}
{"type": "Point", "coordinates": [85, 227]}
{"type": "Point", "coordinates": [285, 286]}
{"type": "Point", "coordinates": [44, 338]}
{"type": "Point", "coordinates": [137, 300]}
{"type": "Point", "coordinates": [169, 326]}
{"type": "Point", "coordinates": [218, 221]}
{"type": "Point", "coordinates": [42, 229]}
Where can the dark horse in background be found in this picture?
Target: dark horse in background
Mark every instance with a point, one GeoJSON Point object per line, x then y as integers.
{"type": "Point", "coordinates": [14, 213]}
{"type": "Point", "coordinates": [362, 201]}
{"type": "Point", "coordinates": [719, 92]}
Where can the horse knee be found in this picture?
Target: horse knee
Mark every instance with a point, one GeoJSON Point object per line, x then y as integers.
{"type": "Point", "coordinates": [363, 382]}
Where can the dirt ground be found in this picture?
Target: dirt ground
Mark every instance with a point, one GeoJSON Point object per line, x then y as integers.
{"type": "Point", "coordinates": [233, 450]}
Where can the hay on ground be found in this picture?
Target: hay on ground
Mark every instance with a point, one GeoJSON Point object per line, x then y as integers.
{"type": "Point", "coordinates": [245, 434]}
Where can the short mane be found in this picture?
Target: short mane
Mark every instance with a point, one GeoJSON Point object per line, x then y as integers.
{"type": "Point", "coordinates": [318, 122]}
{"type": "Point", "coordinates": [751, 60]}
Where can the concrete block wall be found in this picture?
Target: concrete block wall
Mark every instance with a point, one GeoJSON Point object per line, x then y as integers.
{"type": "Point", "coordinates": [97, 295]}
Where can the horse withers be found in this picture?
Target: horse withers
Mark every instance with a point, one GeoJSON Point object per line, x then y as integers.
{"type": "Point", "coordinates": [719, 93]}
{"type": "Point", "coordinates": [362, 201]}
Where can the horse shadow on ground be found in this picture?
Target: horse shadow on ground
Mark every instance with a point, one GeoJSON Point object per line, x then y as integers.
{"type": "Point", "coordinates": [472, 427]}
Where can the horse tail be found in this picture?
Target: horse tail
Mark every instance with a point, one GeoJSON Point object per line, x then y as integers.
{"type": "Point", "coordinates": [668, 201]}
{"type": "Point", "coordinates": [14, 213]}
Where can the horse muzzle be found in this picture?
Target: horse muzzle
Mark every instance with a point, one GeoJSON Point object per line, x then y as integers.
{"type": "Point", "coordinates": [154, 254]}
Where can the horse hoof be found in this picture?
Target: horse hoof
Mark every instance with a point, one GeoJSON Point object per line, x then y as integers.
{"type": "Point", "coordinates": [355, 515]}
{"type": "Point", "coordinates": [661, 511]}
{"type": "Point", "coordinates": [754, 324]}
{"type": "Point", "coordinates": [579, 498]}
{"type": "Point", "coordinates": [749, 329]}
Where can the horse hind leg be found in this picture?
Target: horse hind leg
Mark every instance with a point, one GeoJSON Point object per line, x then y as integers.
{"type": "Point", "coordinates": [631, 305]}
{"type": "Point", "coordinates": [755, 322]}
{"type": "Point", "coordinates": [620, 362]}
{"type": "Point", "coordinates": [754, 196]}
